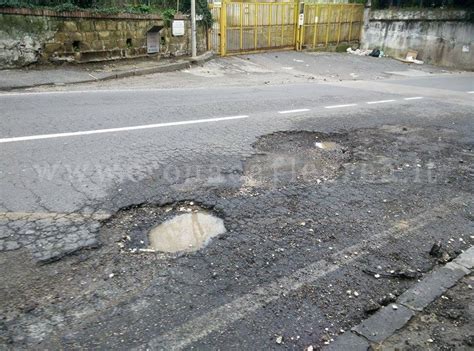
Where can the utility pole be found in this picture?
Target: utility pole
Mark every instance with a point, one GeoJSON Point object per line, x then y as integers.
{"type": "Point", "coordinates": [193, 29]}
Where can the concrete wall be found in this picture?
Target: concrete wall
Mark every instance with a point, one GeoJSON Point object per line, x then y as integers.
{"type": "Point", "coordinates": [441, 37]}
{"type": "Point", "coordinates": [38, 36]}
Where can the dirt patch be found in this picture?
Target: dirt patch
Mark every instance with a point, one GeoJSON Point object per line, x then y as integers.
{"type": "Point", "coordinates": [446, 324]}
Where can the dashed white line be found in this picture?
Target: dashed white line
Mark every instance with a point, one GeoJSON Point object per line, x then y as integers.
{"type": "Point", "coordinates": [171, 124]}
{"type": "Point", "coordinates": [294, 111]}
{"type": "Point", "coordinates": [340, 106]}
{"type": "Point", "coordinates": [122, 129]}
{"type": "Point", "coordinates": [379, 102]}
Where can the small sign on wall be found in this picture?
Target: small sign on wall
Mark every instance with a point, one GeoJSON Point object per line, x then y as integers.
{"type": "Point", "coordinates": [301, 19]}
{"type": "Point", "coordinates": [178, 28]}
{"type": "Point", "coordinates": [153, 42]}
{"type": "Point", "coordinates": [465, 48]}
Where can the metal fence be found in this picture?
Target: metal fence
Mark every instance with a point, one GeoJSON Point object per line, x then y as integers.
{"type": "Point", "coordinates": [243, 27]}
{"type": "Point", "coordinates": [257, 26]}
{"type": "Point", "coordinates": [326, 24]}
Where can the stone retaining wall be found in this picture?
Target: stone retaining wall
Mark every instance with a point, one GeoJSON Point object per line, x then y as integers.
{"type": "Point", "coordinates": [441, 37]}
{"type": "Point", "coordinates": [38, 36]}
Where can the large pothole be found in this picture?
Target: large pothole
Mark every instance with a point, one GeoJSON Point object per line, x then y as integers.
{"type": "Point", "coordinates": [286, 157]}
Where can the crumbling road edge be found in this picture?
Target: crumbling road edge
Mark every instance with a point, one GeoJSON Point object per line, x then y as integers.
{"type": "Point", "coordinates": [388, 320]}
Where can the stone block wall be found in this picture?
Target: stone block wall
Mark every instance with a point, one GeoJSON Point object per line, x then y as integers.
{"type": "Point", "coordinates": [37, 36]}
{"type": "Point", "coordinates": [441, 37]}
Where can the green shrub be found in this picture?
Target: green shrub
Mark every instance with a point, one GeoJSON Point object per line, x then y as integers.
{"type": "Point", "coordinates": [67, 6]}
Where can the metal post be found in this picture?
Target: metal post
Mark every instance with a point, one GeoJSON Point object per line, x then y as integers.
{"type": "Point", "coordinates": [270, 18]}
{"type": "Point", "coordinates": [328, 23]}
{"type": "Point", "coordinates": [223, 28]}
{"type": "Point", "coordinates": [193, 29]}
{"type": "Point", "coordinates": [339, 20]}
{"type": "Point", "coordinates": [256, 27]}
{"type": "Point", "coordinates": [241, 5]}
{"type": "Point", "coordinates": [350, 23]}
{"type": "Point", "coordinates": [316, 24]}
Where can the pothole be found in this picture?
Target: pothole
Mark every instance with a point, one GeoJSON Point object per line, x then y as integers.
{"type": "Point", "coordinates": [287, 157]}
{"type": "Point", "coordinates": [172, 228]}
{"type": "Point", "coordinates": [329, 146]}
{"type": "Point", "coordinates": [186, 232]}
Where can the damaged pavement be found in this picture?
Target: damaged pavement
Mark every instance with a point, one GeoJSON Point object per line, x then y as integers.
{"type": "Point", "coordinates": [329, 214]}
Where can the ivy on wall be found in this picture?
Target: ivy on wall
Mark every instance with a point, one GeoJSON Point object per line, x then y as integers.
{"type": "Point", "coordinates": [166, 7]}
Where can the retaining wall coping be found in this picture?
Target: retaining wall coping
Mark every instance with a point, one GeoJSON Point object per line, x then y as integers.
{"type": "Point", "coordinates": [76, 14]}
{"type": "Point", "coordinates": [419, 15]}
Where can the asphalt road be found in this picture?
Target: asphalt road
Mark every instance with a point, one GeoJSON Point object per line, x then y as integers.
{"type": "Point", "coordinates": [72, 158]}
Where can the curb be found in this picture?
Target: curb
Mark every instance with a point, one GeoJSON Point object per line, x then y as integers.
{"type": "Point", "coordinates": [141, 72]}
{"type": "Point", "coordinates": [175, 66]}
{"type": "Point", "coordinates": [208, 55]}
{"type": "Point", "coordinates": [384, 323]}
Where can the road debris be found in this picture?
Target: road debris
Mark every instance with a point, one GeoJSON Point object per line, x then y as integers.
{"type": "Point", "coordinates": [401, 274]}
{"type": "Point", "coordinates": [436, 249]}
{"type": "Point", "coordinates": [371, 307]}
{"type": "Point", "coordinates": [359, 52]}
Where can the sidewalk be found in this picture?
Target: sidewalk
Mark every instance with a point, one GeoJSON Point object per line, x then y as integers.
{"type": "Point", "coordinates": [89, 72]}
{"type": "Point", "coordinates": [446, 324]}
{"type": "Point", "coordinates": [435, 314]}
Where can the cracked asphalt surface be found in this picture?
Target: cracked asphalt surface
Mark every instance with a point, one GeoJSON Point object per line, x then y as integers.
{"type": "Point", "coordinates": [304, 224]}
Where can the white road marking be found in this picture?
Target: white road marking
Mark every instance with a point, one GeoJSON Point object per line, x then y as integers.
{"type": "Point", "coordinates": [122, 129]}
{"type": "Point", "coordinates": [34, 216]}
{"type": "Point", "coordinates": [33, 93]}
{"type": "Point", "coordinates": [294, 111]}
{"type": "Point", "coordinates": [221, 317]}
{"type": "Point", "coordinates": [470, 92]}
{"type": "Point", "coordinates": [414, 98]}
{"type": "Point", "coordinates": [338, 106]}
{"type": "Point", "coordinates": [93, 91]}
{"type": "Point", "coordinates": [379, 102]}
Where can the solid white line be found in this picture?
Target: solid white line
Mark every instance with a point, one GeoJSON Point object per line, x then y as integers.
{"type": "Point", "coordinates": [379, 102]}
{"type": "Point", "coordinates": [74, 92]}
{"type": "Point", "coordinates": [337, 106]}
{"type": "Point", "coordinates": [470, 92]}
{"type": "Point", "coordinates": [414, 98]}
{"type": "Point", "coordinates": [94, 91]}
{"type": "Point", "coordinates": [122, 129]}
{"type": "Point", "coordinates": [294, 111]}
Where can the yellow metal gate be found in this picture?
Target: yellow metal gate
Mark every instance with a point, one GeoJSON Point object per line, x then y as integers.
{"type": "Point", "coordinates": [329, 24]}
{"type": "Point", "coordinates": [244, 27]}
